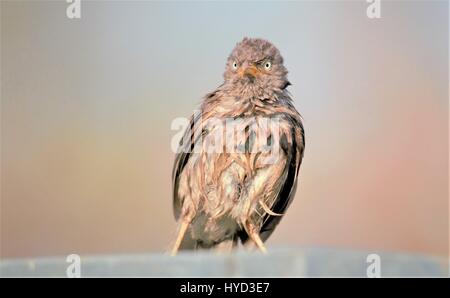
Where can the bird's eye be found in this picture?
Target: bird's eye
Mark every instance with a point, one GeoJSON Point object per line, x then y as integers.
{"type": "Point", "coordinates": [235, 66]}
{"type": "Point", "coordinates": [267, 65]}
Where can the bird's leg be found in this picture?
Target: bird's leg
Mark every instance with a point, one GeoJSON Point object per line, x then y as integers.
{"type": "Point", "coordinates": [254, 235]}
{"type": "Point", "coordinates": [184, 224]}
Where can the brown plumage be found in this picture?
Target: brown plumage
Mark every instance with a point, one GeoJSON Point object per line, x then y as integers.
{"type": "Point", "coordinates": [221, 192]}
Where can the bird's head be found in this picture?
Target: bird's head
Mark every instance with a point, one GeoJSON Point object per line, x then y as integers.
{"type": "Point", "coordinates": [255, 69]}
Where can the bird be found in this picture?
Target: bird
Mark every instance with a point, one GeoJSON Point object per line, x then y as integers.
{"type": "Point", "coordinates": [226, 195]}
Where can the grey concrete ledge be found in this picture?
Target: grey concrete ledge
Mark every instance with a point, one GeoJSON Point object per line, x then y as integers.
{"type": "Point", "coordinates": [280, 262]}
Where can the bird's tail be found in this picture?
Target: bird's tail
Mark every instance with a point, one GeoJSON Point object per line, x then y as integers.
{"type": "Point", "coordinates": [226, 245]}
{"type": "Point", "coordinates": [188, 243]}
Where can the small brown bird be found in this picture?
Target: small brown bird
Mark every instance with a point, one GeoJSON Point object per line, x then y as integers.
{"type": "Point", "coordinates": [222, 192]}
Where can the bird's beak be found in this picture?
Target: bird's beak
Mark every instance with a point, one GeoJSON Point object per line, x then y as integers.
{"type": "Point", "coordinates": [250, 71]}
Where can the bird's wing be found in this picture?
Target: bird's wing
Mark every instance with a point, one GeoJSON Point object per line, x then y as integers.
{"type": "Point", "coordinates": [294, 152]}
{"type": "Point", "coordinates": [186, 148]}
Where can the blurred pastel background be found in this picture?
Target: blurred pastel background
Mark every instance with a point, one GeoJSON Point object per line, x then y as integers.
{"type": "Point", "coordinates": [87, 104]}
